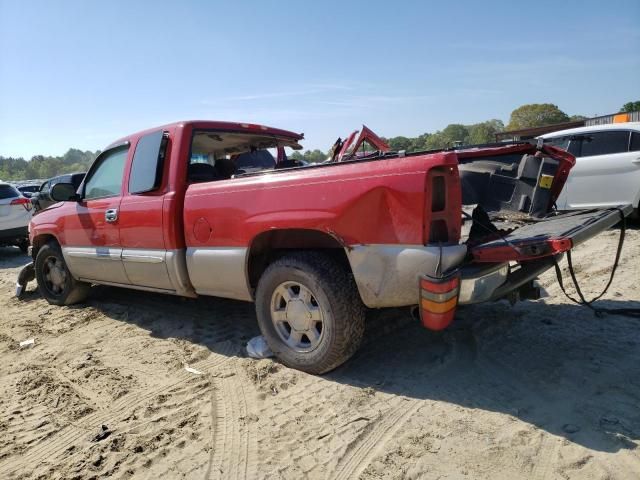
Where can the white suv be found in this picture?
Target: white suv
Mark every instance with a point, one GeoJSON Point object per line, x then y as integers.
{"type": "Point", "coordinates": [15, 214]}
{"type": "Point", "coordinates": [607, 170]}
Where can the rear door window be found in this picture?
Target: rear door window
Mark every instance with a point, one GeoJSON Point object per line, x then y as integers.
{"type": "Point", "coordinates": [7, 191]}
{"type": "Point", "coordinates": [148, 162]}
{"type": "Point", "coordinates": [605, 143]}
{"type": "Point", "coordinates": [635, 142]}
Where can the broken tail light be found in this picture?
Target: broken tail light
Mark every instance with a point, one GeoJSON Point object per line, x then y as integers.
{"type": "Point", "coordinates": [442, 204]}
{"type": "Point", "coordinates": [438, 300]}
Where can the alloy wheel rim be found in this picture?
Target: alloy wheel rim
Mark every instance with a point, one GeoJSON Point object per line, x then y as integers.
{"type": "Point", "coordinates": [297, 316]}
{"type": "Point", "coordinates": [55, 275]}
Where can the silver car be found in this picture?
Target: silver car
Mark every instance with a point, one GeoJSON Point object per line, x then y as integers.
{"type": "Point", "coordinates": [607, 170]}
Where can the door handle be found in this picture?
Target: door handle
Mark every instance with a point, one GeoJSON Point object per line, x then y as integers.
{"type": "Point", "coordinates": [111, 215]}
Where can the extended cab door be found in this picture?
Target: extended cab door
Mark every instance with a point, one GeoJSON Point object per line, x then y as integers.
{"type": "Point", "coordinates": [145, 253]}
{"type": "Point", "coordinates": [606, 173]}
{"type": "Point", "coordinates": [92, 239]}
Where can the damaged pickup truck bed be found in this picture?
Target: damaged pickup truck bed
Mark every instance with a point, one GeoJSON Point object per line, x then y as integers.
{"type": "Point", "coordinates": [203, 208]}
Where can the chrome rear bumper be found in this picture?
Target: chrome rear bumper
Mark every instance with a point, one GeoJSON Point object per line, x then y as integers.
{"type": "Point", "coordinates": [478, 283]}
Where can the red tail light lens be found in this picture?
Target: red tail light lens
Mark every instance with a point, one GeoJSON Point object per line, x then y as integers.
{"type": "Point", "coordinates": [25, 202]}
{"type": "Point", "coordinates": [438, 300]}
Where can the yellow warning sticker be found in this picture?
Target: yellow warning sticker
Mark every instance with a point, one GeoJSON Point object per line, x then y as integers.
{"type": "Point", "coordinates": [546, 181]}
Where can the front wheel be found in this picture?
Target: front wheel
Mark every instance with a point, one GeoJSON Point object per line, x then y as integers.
{"type": "Point", "coordinates": [310, 312]}
{"type": "Point", "coordinates": [55, 282]}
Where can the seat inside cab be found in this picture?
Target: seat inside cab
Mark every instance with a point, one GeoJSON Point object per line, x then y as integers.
{"type": "Point", "coordinates": [222, 155]}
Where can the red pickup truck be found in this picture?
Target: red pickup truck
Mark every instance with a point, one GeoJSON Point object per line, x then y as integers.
{"type": "Point", "coordinates": [204, 208]}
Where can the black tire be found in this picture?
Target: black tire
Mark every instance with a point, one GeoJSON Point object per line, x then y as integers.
{"type": "Point", "coordinates": [334, 292]}
{"type": "Point", "coordinates": [71, 291]}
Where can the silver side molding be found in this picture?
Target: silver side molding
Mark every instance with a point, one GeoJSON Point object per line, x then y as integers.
{"type": "Point", "coordinates": [178, 275]}
{"type": "Point", "coordinates": [129, 286]}
{"type": "Point", "coordinates": [95, 263]}
{"type": "Point", "coordinates": [219, 271]}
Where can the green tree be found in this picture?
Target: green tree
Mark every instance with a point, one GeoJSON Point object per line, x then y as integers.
{"type": "Point", "coordinates": [456, 133]}
{"type": "Point", "coordinates": [536, 115]}
{"type": "Point", "coordinates": [631, 107]}
{"type": "Point", "coordinates": [315, 156]}
{"type": "Point", "coordinates": [400, 143]}
{"type": "Point", "coordinates": [40, 166]}
{"type": "Point", "coordinates": [436, 141]}
{"type": "Point", "coordinates": [485, 132]}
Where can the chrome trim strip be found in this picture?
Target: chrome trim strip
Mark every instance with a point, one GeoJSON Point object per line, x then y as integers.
{"type": "Point", "coordinates": [128, 257]}
{"type": "Point", "coordinates": [219, 271]}
{"type": "Point", "coordinates": [93, 253]}
{"type": "Point", "coordinates": [389, 275]}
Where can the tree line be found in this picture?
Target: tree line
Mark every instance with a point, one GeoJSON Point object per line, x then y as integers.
{"type": "Point", "coordinates": [525, 116]}
{"type": "Point", "coordinates": [43, 167]}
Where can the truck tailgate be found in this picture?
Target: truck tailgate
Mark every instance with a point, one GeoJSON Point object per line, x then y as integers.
{"type": "Point", "coordinates": [548, 237]}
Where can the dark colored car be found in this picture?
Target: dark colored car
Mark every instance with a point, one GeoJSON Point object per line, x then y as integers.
{"type": "Point", "coordinates": [29, 189]}
{"type": "Point", "coordinates": [42, 198]}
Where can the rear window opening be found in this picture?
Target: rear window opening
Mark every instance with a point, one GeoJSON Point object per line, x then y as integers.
{"type": "Point", "coordinates": [222, 155]}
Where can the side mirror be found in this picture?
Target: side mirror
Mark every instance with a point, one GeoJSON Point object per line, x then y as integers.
{"type": "Point", "coordinates": [63, 192]}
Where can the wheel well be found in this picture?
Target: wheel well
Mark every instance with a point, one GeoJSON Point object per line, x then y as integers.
{"type": "Point", "coordinates": [269, 246]}
{"type": "Point", "coordinates": [39, 241]}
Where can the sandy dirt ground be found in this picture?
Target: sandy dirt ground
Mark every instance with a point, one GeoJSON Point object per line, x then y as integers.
{"type": "Point", "coordinates": [542, 389]}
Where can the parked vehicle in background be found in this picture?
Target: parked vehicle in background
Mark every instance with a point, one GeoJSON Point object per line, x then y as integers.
{"type": "Point", "coordinates": [607, 169]}
{"type": "Point", "coordinates": [168, 210]}
{"type": "Point", "coordinates": [42, 198]}
{"type": "Point", "coordinates": [28, 189]}
{"type": "Point", "coordinates": [15, 214]}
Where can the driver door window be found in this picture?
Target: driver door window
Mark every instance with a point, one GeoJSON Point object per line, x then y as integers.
{"type": "Point", "coordinates": [106, 179]}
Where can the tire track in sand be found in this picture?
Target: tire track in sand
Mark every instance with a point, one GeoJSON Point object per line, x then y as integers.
{"type": "Point", "coordinates": [373, 439]}
{"type": "Point", "coordinates": [55, 444]}
{"type": "Point", "coordinates": [234, 439]}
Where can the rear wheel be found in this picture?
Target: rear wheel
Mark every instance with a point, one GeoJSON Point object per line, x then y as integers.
{"type": "Point", "coordinates": [55, 282]}
{"type": "Point", "coordinates": [310, 312]}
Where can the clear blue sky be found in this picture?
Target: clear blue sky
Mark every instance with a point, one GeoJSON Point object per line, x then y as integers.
{"type": "Point", "coordinates": [81, 74]}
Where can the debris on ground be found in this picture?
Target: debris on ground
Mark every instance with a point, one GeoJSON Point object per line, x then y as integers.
{"type": "Point", "coordinates": [257, 348]}
{"type": "Point", "coordinates": [27, 343]}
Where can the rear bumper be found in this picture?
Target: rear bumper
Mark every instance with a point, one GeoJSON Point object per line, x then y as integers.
{"type": "Point", "coordinates": [495, 281]}
{"type": "Point", "coordinates": [479, 282]}
{"type": "Point", "coordinates": [388, 275]}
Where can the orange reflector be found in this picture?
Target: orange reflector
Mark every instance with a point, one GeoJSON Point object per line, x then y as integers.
{"type": "Point", "coordinates": [435, 307]}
